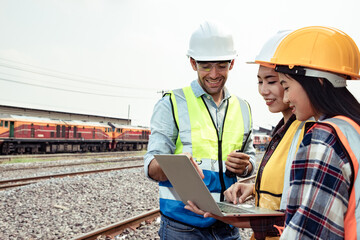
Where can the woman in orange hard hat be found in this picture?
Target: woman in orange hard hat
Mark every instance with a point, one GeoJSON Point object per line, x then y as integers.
{"type": "Point", "coordinates": [314, 64]}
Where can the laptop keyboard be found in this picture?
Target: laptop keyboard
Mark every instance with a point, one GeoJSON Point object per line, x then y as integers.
{"type": "Point", "coordinates": [232, 209]}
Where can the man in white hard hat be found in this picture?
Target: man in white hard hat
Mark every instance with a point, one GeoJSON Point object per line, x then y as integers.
{"type": "Point", "coordinates": [209, 125]}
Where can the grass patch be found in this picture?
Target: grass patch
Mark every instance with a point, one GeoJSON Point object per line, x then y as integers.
{"type": "Point", "coordinates": [29, 160]}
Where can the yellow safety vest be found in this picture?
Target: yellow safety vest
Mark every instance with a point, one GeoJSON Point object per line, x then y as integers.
{"type": "Point", "coordinates": [204, 135]}
{"type": "Point", "coordinates": [199, 136]}
{"type": "Point", "coordinates": [269, 194]}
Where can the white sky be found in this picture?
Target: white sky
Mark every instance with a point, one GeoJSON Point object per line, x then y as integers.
{"type": "Point", "coordinates": [106, 57]}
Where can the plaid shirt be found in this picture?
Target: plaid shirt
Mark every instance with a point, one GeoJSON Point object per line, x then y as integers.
{"type": "Point", "coordinates": [320, 181]}
{"type": "Point", "coordinates": [263, 227]}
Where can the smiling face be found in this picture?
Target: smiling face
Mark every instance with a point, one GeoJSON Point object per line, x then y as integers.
{"type": "Point", "coordinates": [271, 90]}
{"type": "Point", "coordinates": [212, 76]}
{"type": "Point", "coordinates": [296, 97]}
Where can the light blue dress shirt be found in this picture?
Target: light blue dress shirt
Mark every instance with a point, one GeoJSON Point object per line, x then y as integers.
{"type": "Point", "coordinates": [164, 131]}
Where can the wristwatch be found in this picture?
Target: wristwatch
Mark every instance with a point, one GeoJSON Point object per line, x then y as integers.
{"type": "Point", "coordinates": [245, 173]}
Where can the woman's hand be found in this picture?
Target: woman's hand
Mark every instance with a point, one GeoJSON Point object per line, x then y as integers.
{"type": "Point", "coordinates": [238, 192]}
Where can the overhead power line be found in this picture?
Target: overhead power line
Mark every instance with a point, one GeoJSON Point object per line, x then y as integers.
{"type": "Point", "coordinates": [71, 90]}
{"type": "Point", "coordinates": [69, 77]}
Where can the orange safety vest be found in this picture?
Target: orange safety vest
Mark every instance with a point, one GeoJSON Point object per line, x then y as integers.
{"type": "Point", "coordinates": [349, 134]}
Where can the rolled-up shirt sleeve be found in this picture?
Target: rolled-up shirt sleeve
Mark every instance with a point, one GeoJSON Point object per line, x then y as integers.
{"type": "Point", "coordinates": [163, 132]}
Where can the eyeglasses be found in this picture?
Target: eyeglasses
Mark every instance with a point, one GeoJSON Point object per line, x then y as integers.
{"type": "Point", "coordinates": [207, 66]}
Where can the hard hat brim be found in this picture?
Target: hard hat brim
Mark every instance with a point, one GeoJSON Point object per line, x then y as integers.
{"type": "Point", "coordinates": [213, 58]}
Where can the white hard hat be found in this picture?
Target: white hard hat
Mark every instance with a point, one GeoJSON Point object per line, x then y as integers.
{"type": "Point", "coordinates": [210, 43]}
{"type": "Point", "coordinates": [269, 48]}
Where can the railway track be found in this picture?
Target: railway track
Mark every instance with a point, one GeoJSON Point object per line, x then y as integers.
{"type": "Point", "coordinates": [11, 183]}
{"type": "Point", "coordinates": [66, 164]}
{"type": "Point", "coordinates": [132, 223]}
{"type": "Point", "coordinates": [117, 228]}
{"type": "Point", "coordinates": [4, 158]}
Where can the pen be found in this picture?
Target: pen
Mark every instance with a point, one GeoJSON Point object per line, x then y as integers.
{"type": "Point", "coordinates": [229, 173]}
{"type": "Point", "coordinates": [246, 140]}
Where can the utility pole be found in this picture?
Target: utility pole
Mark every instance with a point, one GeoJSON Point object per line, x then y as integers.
{"type": "Point", "coordinates": [128, 120]}
{"type": "Point", "coordinates": [162, 92]}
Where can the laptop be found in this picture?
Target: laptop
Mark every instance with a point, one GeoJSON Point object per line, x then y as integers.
{"type": "Point", "coordinates": [189, 186]}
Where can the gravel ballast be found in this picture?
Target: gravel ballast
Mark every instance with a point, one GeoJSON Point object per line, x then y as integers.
{"type": "Point", "coordinates": [64, 208]}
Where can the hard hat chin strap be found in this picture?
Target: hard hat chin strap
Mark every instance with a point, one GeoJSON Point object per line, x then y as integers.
{"type": "Point", "coordinates": [336, 80]}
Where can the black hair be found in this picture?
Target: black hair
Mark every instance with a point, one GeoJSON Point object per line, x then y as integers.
{"type": "Point", "coordinates": [327, 99]}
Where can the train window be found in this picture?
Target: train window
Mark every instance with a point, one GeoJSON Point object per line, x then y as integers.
{"type": "Point", "coordinates": [57, 131]}
{"type": "Point", "coordinates": [1, 123]}
{"type": "Point", "coordinates": [47, 125]}
{"type": "Point", "coordinates": [63, 131]}
{"type": "Point", "coordinates": [52, 134]}
{"type": "Point", "coordinates": [118, 130]}
{"type": "Point", "coordinates": [6, 124]}
{"type": "Point", "coordinates": [32, 124]}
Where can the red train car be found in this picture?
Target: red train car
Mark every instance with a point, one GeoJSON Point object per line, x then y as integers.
{"type": "Point", "coordinates": [20, 134]}
{"type": "Point", "coordinates": [261, 142]}
{"type": "Point", "coordinates": [130, 138]}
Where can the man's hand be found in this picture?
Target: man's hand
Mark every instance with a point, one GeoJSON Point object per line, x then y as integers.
{"type": "Point", "coordinates": [199, 170]}
{"type": "Point", "coordinates": [237, 163]}
{"type": "Point", "coordinates": [156, 173]}
{"type": "Point", "coordinates": [240, 222]}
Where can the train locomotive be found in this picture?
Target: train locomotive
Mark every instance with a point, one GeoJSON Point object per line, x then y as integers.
{"type": "Point", "coordinates": [24, 134]}
{"type": "Point", "coordinates": [261, 141]}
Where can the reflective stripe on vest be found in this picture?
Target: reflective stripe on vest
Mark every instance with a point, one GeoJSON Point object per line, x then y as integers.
{"type": "Point", "coordinates": [349, 134]}
{"type": "Point", "coordinates": [272, 186]}
{"type": "Point", "coordinates": [196, 126]}
{"type": "Point", "coordinates": [198, 136]}
{"type": "Point", "coordinates": [297, 139]}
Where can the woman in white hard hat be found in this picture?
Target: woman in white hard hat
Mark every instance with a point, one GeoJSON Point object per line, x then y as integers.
{"type": "Point", "coordinates": [314, 64]}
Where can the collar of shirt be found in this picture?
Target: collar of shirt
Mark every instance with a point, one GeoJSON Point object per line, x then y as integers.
{"type": "Point", "coordinates": [217, 113]}
{"type": "Point", "coordinates": [277, 134]}
{"type": "Point", "coordinates": [281, 128]}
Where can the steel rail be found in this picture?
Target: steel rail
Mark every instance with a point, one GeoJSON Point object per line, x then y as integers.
{"type": "Point", "coordinates": [96, 161]}
{"type": "Point", "coordinates": [117, 228]}
{"type": "Point", "coordinates": [8, 183]}
{"type": "Point", "coordinates": [55, 155]}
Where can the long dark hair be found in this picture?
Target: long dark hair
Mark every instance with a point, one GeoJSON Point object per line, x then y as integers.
{"type": "Point", "coordinates": [327, 99]}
